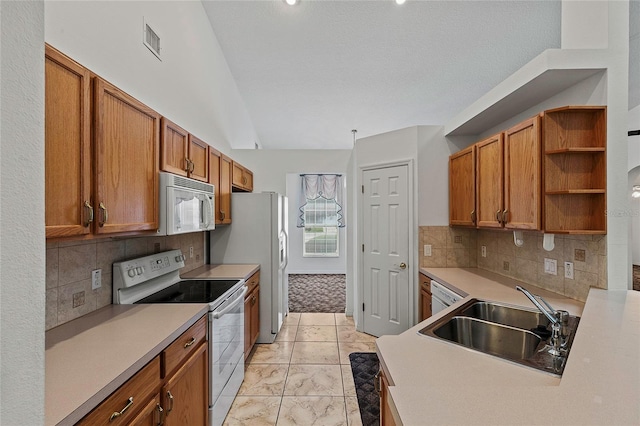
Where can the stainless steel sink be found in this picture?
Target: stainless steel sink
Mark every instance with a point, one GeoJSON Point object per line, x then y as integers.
{"type": "Point", "coordinates": [490, 337]}
{"type": "Point", "coordinates": [506, 315]}
{"type": "Point", "coordinates": [505, 331]}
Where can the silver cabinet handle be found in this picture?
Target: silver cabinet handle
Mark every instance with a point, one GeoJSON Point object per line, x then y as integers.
{"type": "Point", "coordinates": [105, 214]}
{"type": "Point", "coordinates": [504, 216]}
{"type": "Point", "coordinates": [498, 216]}
{"type": "Point", "coordinates": [159, 414]}
{"type": "Point", "coordinates": [170, 396]}
{"type": "Point", "coordinates": [117, 414]}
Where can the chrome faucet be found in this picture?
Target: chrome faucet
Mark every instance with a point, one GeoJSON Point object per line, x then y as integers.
{"type": "Point", "coordinates": [559, 320]}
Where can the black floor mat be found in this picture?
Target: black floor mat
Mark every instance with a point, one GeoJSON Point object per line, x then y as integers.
{"type": "Point", "coordinates": [364, 366]}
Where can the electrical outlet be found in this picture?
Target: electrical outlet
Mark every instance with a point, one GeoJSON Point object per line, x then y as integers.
{"type": "Point", "coordinates": [483, 251]}
{"type": "Point", "coordinates": [191, 252]}
{"type": "Point", "coordinates": [568, 270]}
{"type": "Point", "coordinates": [78, 299]}
{"type": "Point", "coordinates": [427, 249]}
{"type": "Point", "coordinates": [550, 266]}
{"type": "Point", "coordinates": [96, 279]}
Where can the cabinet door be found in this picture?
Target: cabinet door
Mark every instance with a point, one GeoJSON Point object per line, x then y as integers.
{"type": "Point", "coordinates": [151, 415]}
{"type": "Point", "coordinates": [489, 182]}
{"type": "Point", "coordinates": [462, 187]}
{"type": "Point", "coordinates": [174, 148]}
{"type": "Point", "coordinates": [255, 315]}
{"type": "Point", "coordinates": [522, 187]}
{"type": "Point", "coordinates": [126, 170]}
{"type": "Point", "coordinates": [386, 416]}
{"type": "Point", "coordinates": [247, 325]}
{"type": "Point", "coordinates": [186, 393]}
{"type": "Point", "coordinates": [199, 159]}
{"type": "Point", "coordinates": [425, 297]}
{"type": "Point", "coordinates": [225, 189]}
{"type": "Point", "coordinates": [214, 179]}
{"type": "Point", "coordinates": [68, 208]}
{"type": "Point", "coordinates": [237, 179]}
{"type": "Point", "coordinates": [248, 180]}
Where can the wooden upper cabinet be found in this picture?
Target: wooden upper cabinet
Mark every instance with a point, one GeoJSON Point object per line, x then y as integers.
{"type": "Point", "coordinates": [462, 187]}
{"type": "Point", "coordinates": [220, 176]}
{"type": "Point", "coordinates": [575, 169]}
{"type": "Point", "coordinates": [182, 153]}
{"type": "Point", "coordinates": [68, 204]}
{"type": "Point", "coordinates": [522, 171]}
{"type": "Point", "coordinates": [127, 135]}
{"type": "Point", "coordinates": [174, 150]}
{"type": "Point", "coordinates": [199, 159]}
{"type": "Point", "coordinates": [242, 178]}
{"type": "Point", "coordinates": [489, 182]}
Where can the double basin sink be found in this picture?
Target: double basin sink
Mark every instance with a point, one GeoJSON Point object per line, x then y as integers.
{"type": "Point", "coordinates": [513, 333]}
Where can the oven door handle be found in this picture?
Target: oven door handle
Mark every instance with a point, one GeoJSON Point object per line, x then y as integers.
{"type": "Point", "coordinates": [218, 314]}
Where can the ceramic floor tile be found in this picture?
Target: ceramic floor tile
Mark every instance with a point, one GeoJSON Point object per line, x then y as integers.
{"type": "Point", "coordinates": [349, 334]}
{"type": "Point", "coordinates": [346, 348]}
{"type": "Point", "coordinates": [274, 353]}
{"type": "Point", "coordinates": [287, 333]}
{"type": "Point", "coordinates": [342, 319]}
{"type": "Point", "coordinates": [315, 353]}
{"type": "Point", "coordinates": [314, 380]}
{"type": "Point", "coordinates": [264, 379]}
{"type": "Point", "coordinates": [353, 411]}
{"type": "Point", "coordinates": [317, 319]}
{"type": "Point", "coordinates": [348, 384]}
{"type": "Point", "coordinates": [312, 410]}
{"type": "Point", "coordinates": [292, 318]}
{"type": "Point", "coordinates": [316, 333]}
{"type": "Point", "coordinates": [254, 411]}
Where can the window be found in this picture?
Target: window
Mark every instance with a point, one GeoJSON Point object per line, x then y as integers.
{"type": "Point", "coordinates": [320, 228]}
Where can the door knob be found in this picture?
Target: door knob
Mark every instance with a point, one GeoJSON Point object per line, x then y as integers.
{"type": "Point", "coordinates": [403, 265]}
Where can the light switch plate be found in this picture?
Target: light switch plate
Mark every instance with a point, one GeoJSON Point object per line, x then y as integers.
{"type": "Point", "coordinates": [483, 251]}
{"type": "Point", "coordinates": [427, 249]}
{"type": "Point", "coordinates": [96, 279]}
{"type": "Point", "coordinates": [550, 266]}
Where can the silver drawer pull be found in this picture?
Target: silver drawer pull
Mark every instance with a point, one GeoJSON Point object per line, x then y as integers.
{"type": "Point", "coordinates": [117, 414]}
{"type": "Point", "coordinates": [190, 342]}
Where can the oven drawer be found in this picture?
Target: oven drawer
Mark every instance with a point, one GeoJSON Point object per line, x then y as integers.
{"type": "Point", "coordinates": [127, 401]}
{"type": "Point", "coordinates": [184, 346]}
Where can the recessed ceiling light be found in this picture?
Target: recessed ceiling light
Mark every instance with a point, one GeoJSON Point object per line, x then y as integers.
{"type": "Point", "coordinates": [400, 1]}
{"type": "Point", "coordinates": [291, 2]}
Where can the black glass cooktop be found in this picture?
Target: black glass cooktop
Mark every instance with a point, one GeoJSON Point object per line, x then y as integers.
{"type": "Point", "coordinates": [191, 291]}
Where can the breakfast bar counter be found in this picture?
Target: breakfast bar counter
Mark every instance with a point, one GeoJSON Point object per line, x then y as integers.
{"type": "Point", "coordinates": [437, 382]}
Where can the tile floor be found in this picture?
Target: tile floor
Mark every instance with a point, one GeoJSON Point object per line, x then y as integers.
{"type": "Point", "coordinates": [304, 377]}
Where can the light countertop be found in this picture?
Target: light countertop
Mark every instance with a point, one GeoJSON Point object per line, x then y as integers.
{"type": "Point", "coordinates": [88, 358]}
{"type": "Point", "coordinates": [226, 271]}
{"type": "Point", "coordinates": [435, 382]}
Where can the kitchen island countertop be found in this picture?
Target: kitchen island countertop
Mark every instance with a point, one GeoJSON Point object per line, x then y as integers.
{"type": "Point", "coordinates": [435, 382]}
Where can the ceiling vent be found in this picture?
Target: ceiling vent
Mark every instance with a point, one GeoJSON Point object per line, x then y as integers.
{"type": "Point", "coordinates": [151, 39]}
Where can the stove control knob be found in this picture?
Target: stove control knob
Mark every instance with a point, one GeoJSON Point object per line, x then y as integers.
{"type": "Point", "coordinates": [131, 272]}
{"type": "Point", "coordinates": [139, 270]}
{"type": "Point", "coordinates": [179, 258]}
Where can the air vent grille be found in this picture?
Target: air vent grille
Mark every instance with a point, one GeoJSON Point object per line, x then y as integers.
{"type": "Point", "coordinates": [151, 40]}
{"type": "Point", "coordinates": [178, 181]}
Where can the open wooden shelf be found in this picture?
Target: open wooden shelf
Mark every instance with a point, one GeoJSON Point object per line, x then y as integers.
{"type": "Point", "coordinates": [575, 150]}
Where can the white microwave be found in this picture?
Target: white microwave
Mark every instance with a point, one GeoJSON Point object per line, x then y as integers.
{"type": "Point", "coordinates": [186, 205]}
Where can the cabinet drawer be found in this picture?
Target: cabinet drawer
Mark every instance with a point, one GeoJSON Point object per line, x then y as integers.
{"type": "Point", "coordinates": [184, 346]}
{"type": "Point", "coordinates": [252, 282]}
{"type": "Point", "coordinates": [135, 394]}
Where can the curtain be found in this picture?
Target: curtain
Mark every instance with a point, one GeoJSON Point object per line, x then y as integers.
{"type": "Point", "coordinates": [313, 187]}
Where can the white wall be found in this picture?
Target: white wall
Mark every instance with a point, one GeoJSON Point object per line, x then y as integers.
{"type": "Point", "coordinates": [634, 179]}
{"type": "Point", "coordinates": [312, 265]}
{"type": "Point", "coordinates": [433, 176]}
{"type": "Point", "coordinates": [22, 295]}
{"type": "Point", "coordinates": [192, 85]}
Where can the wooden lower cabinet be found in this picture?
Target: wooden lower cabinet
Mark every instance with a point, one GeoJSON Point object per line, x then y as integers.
{"type": "Point", "coordinates": [185, 394]}
{"type": "Point", "coordinates": [425, 297]}
{"type": "Point", "coordinates": [386, 415]}
{"type": "Point", "coordinates": [180, 398]}
{"type": "Point", "coordinates": [251, 313]}
{"type": "Point", "coordinates": [130, 400]}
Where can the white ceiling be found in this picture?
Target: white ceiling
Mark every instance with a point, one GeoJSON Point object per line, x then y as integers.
{"type": "Point", "coordinates": [312, 72]}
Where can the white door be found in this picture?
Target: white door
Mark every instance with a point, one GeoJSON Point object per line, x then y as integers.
{"type": "Point", "coordinates": [385, 229]}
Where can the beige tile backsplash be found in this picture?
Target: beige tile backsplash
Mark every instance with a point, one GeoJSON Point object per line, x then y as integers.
{"type": "Point", "coordinates": [461, 248]}
{"type": "Point", "coordinates": [69, 266]}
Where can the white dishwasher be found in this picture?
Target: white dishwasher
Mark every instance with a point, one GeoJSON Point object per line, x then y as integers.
{"type": "Point", "coordinates": [442, 297]}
